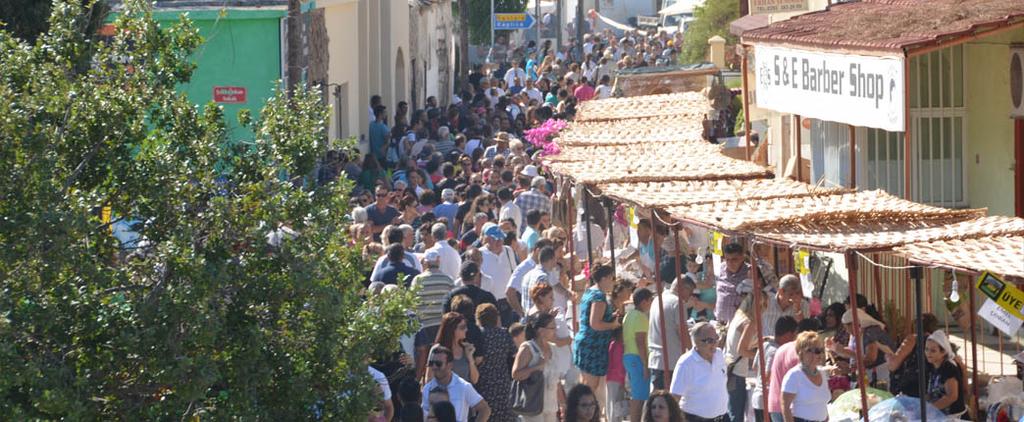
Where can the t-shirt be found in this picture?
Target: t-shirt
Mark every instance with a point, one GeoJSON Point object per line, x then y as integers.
{"type": "Point", "coordinates": [447, 210]}
{"type": "Point", "coordinates": [461, 394]}
{"type": "Point", "coordinates": [499, 268]}
{"type": "Point", "coordinates": [391, 271]}
{"type": "Point", "coordinates": [381, 217]}
{"type": "Point", "coordinates": [530, 237]}
{"type": "Point", "coordinates": [634, 322]}
{"type": "Point", "coordinates": [672, 332]}
{"type": "Point", "coordinates": [433, 285]}
{"type": "Point", "coordinates": [785, 359]}
{"type": "Point", "coordinates": [382, 381]}
{"type": "Point", "coordinates": [811, 401]}
{"type": "Point", "coordinates": [701, 385]}
{"type": "Point", "coordinates": [937, 378]}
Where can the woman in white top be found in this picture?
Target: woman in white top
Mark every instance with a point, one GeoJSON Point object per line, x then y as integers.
{"type": "Point", "coordinates": [805, 393]}
{"type": "Point", "coordinates": [535, 355]}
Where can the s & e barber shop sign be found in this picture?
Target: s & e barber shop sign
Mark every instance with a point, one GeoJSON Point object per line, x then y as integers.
{"type": "Point", "coordinates": [857, 90]}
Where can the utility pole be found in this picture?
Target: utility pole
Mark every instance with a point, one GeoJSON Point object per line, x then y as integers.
{"type": "Point", "coordinates": [463, 43]}
{"type": "Point", "coordinates": [294, 46]}
{"type": "Point", "coordinates": [492, 25]}
{"type": "Point", "coordinates": [579, 30]}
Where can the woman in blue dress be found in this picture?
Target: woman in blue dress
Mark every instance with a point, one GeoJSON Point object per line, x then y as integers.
{"type": "Point", "coordinates": [597, 322]}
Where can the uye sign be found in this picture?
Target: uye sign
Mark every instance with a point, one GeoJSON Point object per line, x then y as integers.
{"type": "Point", "coordinates": [857, 90]}
{"type": "Point", "coordinates": [229, 94]}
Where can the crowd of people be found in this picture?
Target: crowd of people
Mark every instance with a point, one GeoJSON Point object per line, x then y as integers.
{"type": "Point", "coordinates": [522, 319]}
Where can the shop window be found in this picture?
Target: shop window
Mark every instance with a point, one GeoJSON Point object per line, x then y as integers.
{"type": "Point", "coordinates": [885, 161]}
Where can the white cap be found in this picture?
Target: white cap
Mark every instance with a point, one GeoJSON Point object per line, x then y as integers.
{"type": "Point", "coordinates": [530, 171]}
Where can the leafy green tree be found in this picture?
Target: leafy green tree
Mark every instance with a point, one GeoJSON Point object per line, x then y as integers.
{"type": "Point", "coordinates": [27, 19]}
{"type": "Point", "coordinates": [710, 19]}
{"type": "Point", "coordinates": [203, 317]}
{"type": "Point", "coordinates": [480, 18]}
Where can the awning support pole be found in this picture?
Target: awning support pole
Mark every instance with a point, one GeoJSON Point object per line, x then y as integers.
{"type": "Point", "coordinates": [974, 351]}
{"type": "Point", "coordinates": [862, 376]}
{"type": "Point", "coordinates": [572, 257]}
{"type": "Point", "coordinates": [906, 130]}
{"type": "Point", "coordinates": [611, 232]}
{"type": "Point", "coordinates": [915, 273]}
{"type": "Point", "coordinates": [661, 304]}
{"type": "Point", "coordinates": [746, 103]}
{"type": "Point", "coordinates": [762, 371]}
{"type": "Point", "coordinates": [684, 329]}
{"type": "Point", "coordinates": [586, 226]}
{"type": "Point", "coordinates": [853, 157]}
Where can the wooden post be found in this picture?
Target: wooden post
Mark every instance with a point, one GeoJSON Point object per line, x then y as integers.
{"type": "Point", "coordinates": [661, 306]}
{"type": "Point", "coordinates": [758, 289]}
{"type": "Point", "coordinates": [572, 259]}
{"type": "Point", "coordinates": [915, 273]}
{"type": "Point", "coordinates": [851, 265]}
{"type": "Point", "coordinates": [611, 232]}
{"type": "Point", "coordinates": [684, 329]}
{"type": "Point", "coordinates": [746, 103]}
{"type": "Point", "coordinates": [906, 131]}
{"type": "Point", "coordinates": [974, 350]}
{"type": "Point", "coordinates": [586, 226]}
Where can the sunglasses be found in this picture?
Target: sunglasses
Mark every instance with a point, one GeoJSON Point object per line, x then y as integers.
{"type": "Point", "coordinates": [436, 363]}
{"type": "Point", "coordinates": [816, 350]}
{"type": "Point", "coordinates": [711, 340]}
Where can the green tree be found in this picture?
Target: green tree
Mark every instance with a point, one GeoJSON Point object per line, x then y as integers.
{"type": "Point", "coordinates": [710, 19]}
{"type": "Point", "coordinates": [203, 317]}
{"type": "Point", "coordinates": [27, 19]}
{"type": "Point", "coordinates": [480, 18]}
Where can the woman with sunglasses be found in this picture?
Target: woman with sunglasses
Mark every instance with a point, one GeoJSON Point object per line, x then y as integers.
{"type": "Point", "coordinates": [534, 355]}
{"type": "Point", "coordinates": [805, 392]}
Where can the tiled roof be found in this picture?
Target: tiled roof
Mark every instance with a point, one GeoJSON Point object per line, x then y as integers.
{"type": "Point", "coordinates": [889, 25]}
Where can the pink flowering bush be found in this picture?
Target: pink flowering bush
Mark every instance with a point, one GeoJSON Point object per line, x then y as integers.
{"type": "Point", "coordinates": [543, 136]}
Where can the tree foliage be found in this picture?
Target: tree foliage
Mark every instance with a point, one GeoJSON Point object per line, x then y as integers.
{"type": "Point", "coordinates": [480, 18]}
{"type": "Point", "coordinates": [710, 19]}
{"type": "Point", "coordinates": [204, 318]}
{"type": "Point", "coordinates": [27, 19]}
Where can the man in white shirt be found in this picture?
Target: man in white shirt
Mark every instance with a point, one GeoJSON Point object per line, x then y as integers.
{"type": "Point", "coordinates": [509, 210]}
{"type": "Point", "coordinates": [515, 292]}
{"type": "Point", "coordinates": [514, 76]}
{"type": "Point", "coordinates": [532, 92]}
{"type": "Point", "coordinates": [461, 393]}
{"type": "Point", "coordinates": [674, 297]}
{"type": "Point", "coordinates": [451, 261]}
{"type": "Point", "coordinates": [789, 300]}
{"type": "Point", "coordinates": [604, 90]}
{"type": "Point", "coordinates": [385, 390]}
{"type": "Point", "coordinates": [699, 380]}
{"type": "Point", "coordinates": [499, 261]}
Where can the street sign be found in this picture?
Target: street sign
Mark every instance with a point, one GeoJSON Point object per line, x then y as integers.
{"type": "Point", "coordinates": [229, 94]}
{"type": "Point", "coordinates": [1004, 294]}
{"type": "Point", "coordinates": [513, 21]}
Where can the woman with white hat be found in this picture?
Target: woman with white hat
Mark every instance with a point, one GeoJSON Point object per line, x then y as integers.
{"type": "Point", "coordinates": [944, 381]}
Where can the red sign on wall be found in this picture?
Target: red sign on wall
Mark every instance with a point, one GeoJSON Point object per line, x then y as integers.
{"type": "Point", "coordinates": [229, 94]}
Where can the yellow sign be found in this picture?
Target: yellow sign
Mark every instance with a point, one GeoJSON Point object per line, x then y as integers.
{"type": "Point", "coordinates": [105, 215]}
{"type": "Point", "coordinates": [716, 243]}
{"type": "Point", "coordinates": [1006, 295]}
{"type": "Point", "coordinates": [802, 261]}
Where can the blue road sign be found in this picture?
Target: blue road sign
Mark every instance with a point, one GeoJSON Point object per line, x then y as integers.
{"type": "Point", "coordinates": [513, 21]}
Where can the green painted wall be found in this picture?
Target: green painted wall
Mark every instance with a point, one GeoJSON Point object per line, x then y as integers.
{"type": "Point", "coordinates": [989, 128]}
{"type": "Point", "coordinates": [241, 48]}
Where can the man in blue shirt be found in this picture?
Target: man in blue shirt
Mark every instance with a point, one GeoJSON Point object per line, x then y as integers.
{"type": "Point", "coordinates": [379, 134]}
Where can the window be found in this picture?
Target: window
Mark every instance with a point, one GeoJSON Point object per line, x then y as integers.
{"type": "Point", "coordinates": [938, 127]}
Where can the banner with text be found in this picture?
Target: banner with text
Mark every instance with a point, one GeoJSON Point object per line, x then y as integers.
{"type": "Point", "coordinates": [857, 90]}
{"type": "Point", "coordinates": [762, 7]}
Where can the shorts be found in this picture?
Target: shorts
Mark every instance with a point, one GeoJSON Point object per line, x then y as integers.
{"type": "Point", "coordinates": [639, 387]}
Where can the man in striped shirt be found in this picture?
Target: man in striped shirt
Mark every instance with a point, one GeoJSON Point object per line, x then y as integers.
{"type": "Point", "coordinates": [433, 285]}
{"type": "Point", "coordinates": [787, 301]}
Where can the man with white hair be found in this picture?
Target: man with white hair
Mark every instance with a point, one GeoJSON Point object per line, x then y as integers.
{"type": "Point", "coordinates": [450, 259]}
{"type": "Point", "coordinates": [397, 234]}
{"type": "Point", "coordinates": [789, 300]}
{"type": "Point", "coordinates": [536, 198]}
{"type": "Point", "coordinates": [699, 380]}
{"type": "Point", "coordinates": [448, 208]}
{"type": "Point", "coordinates": [444, 143]}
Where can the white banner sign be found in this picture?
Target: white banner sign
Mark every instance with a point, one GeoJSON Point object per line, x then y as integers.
{"type": "Point", "coordinates": [857, 90]}
{"type": "Point", "coordinates": [1000, 318]}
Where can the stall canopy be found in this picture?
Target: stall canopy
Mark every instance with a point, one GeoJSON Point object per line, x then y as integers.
{"type": "Point", "coordinates": [1003, 255]}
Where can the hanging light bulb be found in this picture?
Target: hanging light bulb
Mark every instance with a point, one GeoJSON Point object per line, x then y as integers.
{"type": "Point", "coordinates": [700, 255]}
{"type": "Point", "coordinates": [954, 296]}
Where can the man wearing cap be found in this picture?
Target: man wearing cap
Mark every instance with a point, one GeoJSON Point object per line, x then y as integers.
{"type": "Point", "coordinates": [433, 285]}
{"type": "Point", "coordinates": [499, 261]}
{"type": "Point", "coordinates": [450, 259]}
{"type": "Point", "coordinates": [535, 198]}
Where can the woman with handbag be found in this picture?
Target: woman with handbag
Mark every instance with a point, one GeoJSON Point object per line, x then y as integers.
{"type": "Point", "coordinates": [534, 379]}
